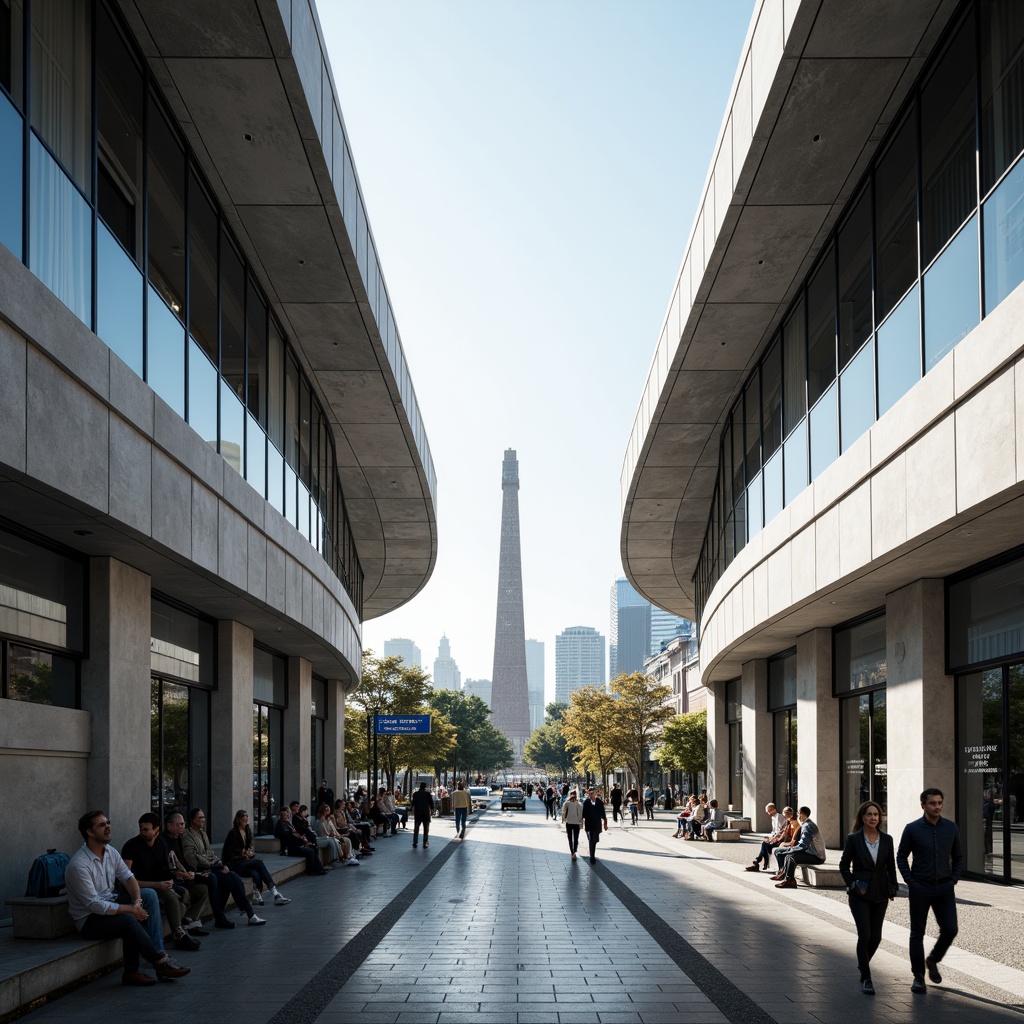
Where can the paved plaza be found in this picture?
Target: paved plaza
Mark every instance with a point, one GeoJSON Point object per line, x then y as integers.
{"type": "Point", "coordinates": [503, 927]}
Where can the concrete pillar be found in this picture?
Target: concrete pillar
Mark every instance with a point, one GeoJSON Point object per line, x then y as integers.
{"type": "Point", "coordinates": [817, 725]}
{"type": "Point", "coordinates": [718, 741]}
{"type": "Point", "coordinates": [334, 736]}
{"type": "Point", "coordinates": [116, 691]}
{"type": "Point", "coordinates": [231, 737]}
{"type": "Point", "coordinates": [758, 751]}
{"type": "Point", "coordinates": [919, 707]}
{"type": "Point", "coordinates": [298, 750]}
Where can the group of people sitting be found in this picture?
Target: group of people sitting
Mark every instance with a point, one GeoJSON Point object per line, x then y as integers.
{"type": "Point", "coordinates": [699, 819]}
{"type": "Point", "coordinates": [794, 839]}
{"type": "Point", "coordinates": [338, 835]}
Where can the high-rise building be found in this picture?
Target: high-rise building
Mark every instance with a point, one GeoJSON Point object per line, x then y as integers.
{"type": "Point", "coordinates": [622, 596]}
{"type": "Point", "coordinates": [446, 672]}
{"type": "Point", "coordinates": [579, 661]}
{"type": "Point", "coordinates": [634, 630]}
{"type": "Point", "coordinates": [402, 647]}
{"type": "Point", "coordinates": [478, 688]}
{"type": "Point", "coordinates": [665, 627]}
{"type": "Point", "coordinates": [535, 681]}
{"type": "Point", "coordinates": [509, 689]}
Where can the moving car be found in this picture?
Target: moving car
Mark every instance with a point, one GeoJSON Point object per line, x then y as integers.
{"type": "Point", "coordinates": [481, 796]}
{"type": "Point", "coordinates": [513, 797]}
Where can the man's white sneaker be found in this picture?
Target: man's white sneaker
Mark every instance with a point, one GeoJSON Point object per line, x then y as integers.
{"type": "Point", "coordinates": [256, 920]}
{"type": "Point", "coordinates": [280, 901]}
{"type": "Point", "coordinates": [256, 899]}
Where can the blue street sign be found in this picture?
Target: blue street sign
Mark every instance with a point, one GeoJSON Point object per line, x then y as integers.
{"type": "Point", "coordinates": [402, 725]}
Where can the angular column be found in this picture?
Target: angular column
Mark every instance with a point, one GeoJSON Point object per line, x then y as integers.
{"type": "Point", "coordinates": [116, 691]}
{"type": "Point", "coordinates": [297, 740]}
{"type": "Point", "coordinates": [718, 741]}
{"type": "Point", "coordinates": [231, 737]}
{"type": "Point", "coordinates": [919, 707]}
{"type": "Point", "coordinates": [334, 736]}
{"type": "Point", "coordinates": [817, 729]}
{"type": "Point", "coordinates": [758, 753]}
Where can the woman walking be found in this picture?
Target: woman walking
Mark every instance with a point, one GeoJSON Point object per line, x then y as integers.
{"type": "Point", "coordinates": [572, 818]}
{"type": "Point", "coordinates": [868, 868]}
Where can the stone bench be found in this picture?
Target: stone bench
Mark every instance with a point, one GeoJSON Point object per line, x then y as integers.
{"type": "Point", "coordinates": [266, 845]}
{"type": "Point", "coordinates": [40, 917]}
{"type": "Point", "coordinates": [822, 876]}
{"type": "Point", "coordinates": [726, 835]}
{"type": "Point", "coordinates": [737, 821]}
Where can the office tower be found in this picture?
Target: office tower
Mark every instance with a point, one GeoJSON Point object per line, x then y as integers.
{"type": "Point", "coordinates": [665, 627]}
{"type": "Point", "coordinates": [579, 661]}
{"type": "Point", "coordinates": [509, 692]}
{"type": "Point", "coordinates": [401, 647]}
{"type": "Point", "coordinates": [622, 596]}
{"type": "Point", "coordinates": [478, 688]}
{"type": "Point", "coordinates": [446, 672]}
{"type": "Point", "coordinates": [535, 681]}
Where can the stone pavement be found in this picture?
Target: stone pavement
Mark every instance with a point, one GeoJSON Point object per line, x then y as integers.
{"type": "Point", "coordinates": [504, 927]}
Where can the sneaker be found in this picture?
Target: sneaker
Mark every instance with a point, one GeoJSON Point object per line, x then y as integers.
{"type": "Point", "coordinates": [254, 920]}
{"type": "Point", "coordinates": [167, 969]}
{"type": "Point", "coordinates": [933, 971]}
{"type": "Point", "coordinates": [425, 844]}
{"type": "Point", "coordinates": [351, 863]}
{"type": "Point", "coordinates": [867, 988]}
{"type": "Point", "coordinates": [195, 927]}
{"type": "Point", "coordinates": [280, 901]}
{"type": "Point", "coordinates": [256, 899]}
{"type": "Point", "coordinates": [919, 985]}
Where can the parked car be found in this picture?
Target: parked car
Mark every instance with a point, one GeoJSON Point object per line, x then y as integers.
{"type": "Point", "coordinates": [513, 797]}
{"type": "Point", "coordinates": [481, 796]}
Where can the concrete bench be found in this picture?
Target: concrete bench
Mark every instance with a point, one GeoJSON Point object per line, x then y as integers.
{"type": "Point", "coordinates": [822, 876]}
{"type": "Point", "coordinates": [737, 821]}
{"type": "Point", "coordinates": [40, 917]}
{"type": "Point", "coordinates": [726, 835]}
{"type": "Point", "coordinates": [266, 845]}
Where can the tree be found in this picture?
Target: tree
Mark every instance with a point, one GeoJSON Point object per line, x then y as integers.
{"type": "Point", "coordinates": [546, 748]}
{"type": "Point", "coordinates": [641, 711]}
{"type": "Point", "coordinates": [478, 746]}
{"type": "Point", "coordinates": [684, 745]}
{"type": "Point", "coordinates": [589, 729]}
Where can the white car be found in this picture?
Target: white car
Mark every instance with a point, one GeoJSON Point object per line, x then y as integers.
{"type": "Point", "coordinates": [481, 797]}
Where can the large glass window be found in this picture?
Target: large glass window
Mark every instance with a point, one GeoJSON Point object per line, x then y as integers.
{"type": "Point", "coordinates": [734, 723]}
{"type": "Point", "coordinates": [771, 400]}
{"type": "Point", "coordinates": [824, 433]}
{"type": "Point", "coordinates": [796, 461]}
{"type": "Point", "coordinates": [896, 218]}
{"type": "Point", "coordinates": [1002, 87]}
{"type": "Point", "coordinates": [166, 211]}
{"type": "Point", "coordinates": [794, 336]}
{"type": "Point", "coordinates": [165, 353]}
{"type": "Point", "coordinates": [951, 295]}
{"type": "Point", "coordinates": [41, 677]}
{"type": "Point", "coordinates": [119, 293]}
{"type": "Point", "coordinates": [862, 742]}
{"type": "Point", "coordinates": [899, 352]}
{"type": "Point", "coordinates": [12, 64]}
{"type": "Point", "coordinates": [1003, 223]}
{"type": "Point", "coordinates": [202, 263]}
{"type": "Point", "coordinates": [782, 705]}
{"type": "Point", "coordinates": [821, 328]}
{"type": "Point", "coordinates": [857, 396]}
{"type": "Point", "coordinates": [179, 749]}
{"type": "Point", "coordinates": [752, 425]}
{"type": "Point", "coordinates": [986, 616]}
{"type": "Point", "coordinates": [854, 260]}
{"type": "Point", "coordinates": [12, 175]}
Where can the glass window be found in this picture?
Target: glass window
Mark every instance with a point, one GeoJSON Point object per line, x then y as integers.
{"type": "Point", "coordinates": [824, 433]}
{"type": "Point", "coordinates": [165, 353]}
{"type": "Point", "coordinates": [303, 510]}
{"type": "Point", "coordinates": [275, 385]}
{"type": "Point", "coordinates": [771, 398]}
{"type": "Point", "coordinates": [784, 741]}
{"type": "Point", "coordinates": [12, 47]}
{"type": "Point", "coordinates": [794, 361]}
{"type": "Point", "coordinates": [270, 677]}
{"type": "Point", "coordinates": [773, 484]}
{"type": "Point", "coordinates": [202, 263]}
{"type": "Point", "coordinates": [899, 352]}
{"type": "Point", "coordinates": [782, 682]}
{"type": "Point", "coordinates": [896, 218]}
{"type": "Point", "coordinates": [119, 113]}
{"type": "Point", "coordinates": [951, 295]}
{"type": "Point", "coordinates": [203, 383]}
{"type": "Point", "coordinates": [232, 428]}
{"type": "Point", "coordinates": [62, 83]}
{"type": "Point", "coordinates": [256, 353]}
{"type": "Point", "coordinates": [267, 764]}
{"type": "Point", "coordinates": [853, 251]}
{"type": "Point", "coordinates": [986, 615]}
{"type": "Point", "coordinates": [166, 211]}
{"type": "Point", "coordinates": [796, 461]}
{"type": "Point", "coordinates": [950, 190]}
{"type": "Point", "coordinates": [42, 678]}
{"type": "Point", "coordinates": [11, 174]}
{"type": "Point", "coordinates": [119, 292]}
{"type": "Point", "coordinates": [1003, 216]}
{"type": "Point", "coordinates": [255, 455]}
{"type": "Point", "coordinates": [181, 644]}
{"type": "Point", "coordinates": [232, 317]}
{"type": "Point", "coordinates": [1002, 87]}
{"type": "Point", "coordinates": [291, 512]}
{"type": "Point", "coordinates": [351, 199]}
{"type": "Point", "coordinates": [275, 478]}
{"type": "Point", "coordinates": [291, 411]}
{"type": "Point", "coordinates": [725, 469]}
{"type": "Point", "coordinates": [179, 748]}
{"type": "Point", "coordinates": [305, 400]}
{"type": "Point", "coordinates": [755, 507]}
{"type": "Point", "coordinates": [738, 482]}
{"type": "Point", "coordinates": [860, 656]}
{"type": "Point", "coordinates": [60, 234]}
{"type": "Point", "coordinates": [857, 396]}
{"type": "Point", "coordinates": [821, 328]}
{"type": "Point", "coordinates": [752, 407]}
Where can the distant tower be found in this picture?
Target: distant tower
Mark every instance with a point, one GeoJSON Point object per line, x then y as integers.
{"type": "Point", "coordinates": [509, 694]}
{"type": "Point", "coordinates": [446, 672]}
{"type": "Point", "coordinates": [535, 682]}
{"type": "Point", "coordinates": [402, 647]}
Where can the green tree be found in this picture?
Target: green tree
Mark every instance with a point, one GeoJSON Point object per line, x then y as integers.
{"type": "Point", "coordinates": [641, 711]}
{"type": "Point", "coordinates": [589, 729]}
{"type": "Point", "coordinates": [684, 745]}
{"type": "Point", "coordinates": [546, 748]}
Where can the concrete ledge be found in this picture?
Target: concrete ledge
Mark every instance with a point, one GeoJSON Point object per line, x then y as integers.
{"type": "Point", "coordinates": [43, 917]}
{"type": "Point", "coordinates": [266, 845]}
{"type": "Point", "coordinates": [735, 821]}
{"type": "Point", "coordinates": [822, 876]}
{"type": "Point", "coordinates": [726, 835]}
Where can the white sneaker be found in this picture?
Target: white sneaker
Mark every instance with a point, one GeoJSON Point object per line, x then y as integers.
{"type": "Point", "coordinates": [256, 899]}
{"type": "Point", "coordinates": [256, 920]}
{"type": "Point", "coordinates": [351, 863]}
{"type": "Point", "coordinates": [280, 901]}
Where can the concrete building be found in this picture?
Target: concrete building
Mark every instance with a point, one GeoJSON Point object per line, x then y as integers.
{"type": "Point", "coordinates": [446, 670]}
{"type": "Point", "coordinates": [827, 464]}
{"type": "Point", "coordinates": [402, 647]}
{"type": "Point", "coordinates": [579, 661]}
{"type": "Point", "coordinates": [212, 462]}
{"type": "Point", "coordinates": [621, 596]}
{"type": "Point", "coordinates": [478, 688]}
{"type": "Point", "coordinates": [673, 666]}
{"type": "Point", "coordinates": [535, 681]}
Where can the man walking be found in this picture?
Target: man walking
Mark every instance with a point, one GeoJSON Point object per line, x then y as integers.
{"type": "Point", "coordinates": [462, 803]}
{"type": "Point", "coordinates": [934, 844]}
{"type": "Point", "coordinates": [422, 812]}
{"type": "Point", "coordinates": [594, 820]}
{"type": "Point", "coordinates": [616, 798]}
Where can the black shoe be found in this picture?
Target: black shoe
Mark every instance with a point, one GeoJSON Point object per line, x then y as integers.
{"type": "Point", "coordinates": [593, 860]}
{"type": "Point", "coordinates": [223, 922]}
{"type": "Point", "coordinates": [195, 928]}
{"type": "Point", "coordinates": [414, 845]}
{"type": "Point", "coordinates": [919, 985]}
{"type": "Point", "coordinates": [933, 971]}
{"type": "Point", "coordinates": [867, 988]}
{"type": "Point", "coordinates": [186, 942]}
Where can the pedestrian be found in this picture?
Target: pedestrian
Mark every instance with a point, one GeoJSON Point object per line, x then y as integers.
{"type": "Point", "coordinates": [594, 820]}
{"type": "Point", "coordinates": [572, 818]}
{"type": "Point", "coordinates": [616, 799]}
{"type": "Point", "coordinates": [868, 867]}
{"type": "Point", "coordinates": [649, 802]}
{"type": "Point", "coordinates": [934, 844]}
{"type": "Point", "coordinates": [462, 802]}
{"type": "Point", "coordinates": [422, 812]}
{"type": "Point", "coordinates": [549, 802]}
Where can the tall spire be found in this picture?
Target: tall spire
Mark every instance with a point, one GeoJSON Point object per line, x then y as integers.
{"type": "Point", "coordinates": [509, 694]}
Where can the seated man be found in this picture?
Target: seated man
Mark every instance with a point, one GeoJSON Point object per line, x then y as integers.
{"type": "Point", "coordinates": [715, 820]}
{"type": "Point", "coordinates": [401, 809]}
{"type": "Point", "coordinates": [201, 888]}
{"type": "Point", "coordinates": [146, 857]}
{"type": "Point", "coordinates": [809, 848]}
{"type": "Point", "coordinates": [775, 835]}
{"type": "Point", "coordinates": [101, 913]}
{"type": "Point", "coordinates": [347, 820]}
{"type": "Point", "coordinates": [380, 818]}
{"type": "Point", "coordinates": [387, 805]}
{"type": "Point", "coordinates": [294, 845]}
{"type": "Point", "coordinates": [199, 857]}
{"type": "Point", "coordinates": [786, 846]}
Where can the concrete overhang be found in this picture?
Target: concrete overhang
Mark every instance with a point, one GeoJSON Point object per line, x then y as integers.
{"type": "Point", "coordinates": [818, 85]}
{"type": "Point", "coordinates": [250, 84]}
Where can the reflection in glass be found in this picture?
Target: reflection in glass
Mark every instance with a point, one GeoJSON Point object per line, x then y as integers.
{"type": "Point", "coordinates": [202, 394]}
{"type": "Point", "coordinates": [773, 487]}
{"type": "Point", "coordinates": [165, 350]}
{"type": "Point", "coordinates": [796, 461]}
{"type": "Point", "coordinates": [11, 195]}
{"type": "Point", "coordinates": [303, 509]}
{"type": "Point", "coordinates": [1002, 88]}
{"type": "Point", "coordinates": [821, 328]}
{"type": "Point", "coordinates": [794, 334]}
{"type": "Point", "coordinates": [232, 428]}
{"type": "Point", "coordinates": [824, 433]}
{"type": "Point", "coordinates": [899, 352]}
{"type": "Point", "coordinates": [202, 263]}
{"type": "Point", "coordinates": [118, 299]}
{"type": "Point", "coordinates": [896, 218]}
{"type": "Point", "coordinates": [857, 396]}
{"type": "Point", "coordinates": [855, 741]}
{"type": "Point", "coordinates": [60, 234]}
{"type": "Point", "coordinates": [256, 456]}
{"type": "Point", "coordinates": [771, 401]}
{"type": "Point", "coordinates": [12, 64]}
{"type": "Point", "coordinates": [1004, 231]}
{"type": "Point", "coordinates": [232, 317]}
{"type": "Point", "coordinates": [291, 512]}
{"type": "Point", "coordinates": [755, 508]}
{"type": "Point", "coordinates": [267, 765]}
{"type": "Point", "coordinates": [951, 295]}
{"type": "Point", "coordinates": [784, 742]}
{"type": "Point", "coordinates": [42, 678]}
{"type": "Point", "coordinates": [853, 250]}
{"type": "Point", "coordinates": [275, 478]}
{"type": "Point", "coordinates": [166, 194]}
{"type": "Point", "coordinates": [1013, 798]}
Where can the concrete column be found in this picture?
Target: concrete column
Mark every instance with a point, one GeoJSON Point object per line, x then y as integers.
{"type": "Point", "coordinates": [919, 706]}
{"type": "Point", "coordinates": [334, 736]}
{"type": "Point", "coordinates": [116, 691]}
{"type": "Point", "coordinates": [298, 750]}
{"type": "Point", "coordinates": [758, 752]}
{"type": "Point", "coordinates": [231, 737]}
{"type": "Point", "coordinates": [817, 725]}
{"type": "Point", "coordinates": [718, 741]}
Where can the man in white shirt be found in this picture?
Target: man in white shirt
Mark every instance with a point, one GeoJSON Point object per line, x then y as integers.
{"type": "Point", "coordinates": [100, 912]}
{"type": "Point", "coordinates": [779, 820]}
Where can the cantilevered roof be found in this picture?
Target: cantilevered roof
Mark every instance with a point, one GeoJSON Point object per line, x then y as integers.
{"type": "Point", "coordinates": [819, 83]}
{"type": "Point", "coordinates": [250, 84]}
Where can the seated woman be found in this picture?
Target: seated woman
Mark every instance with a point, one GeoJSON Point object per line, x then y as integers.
{"type": "Point", "coordinates": [238, 855]}
{"type": "Point", "coordinates": [327, 833]}
{"type": "Point", "coordinates": [683, 816]}
{"type": "Point", "coordinates": [348, 822]}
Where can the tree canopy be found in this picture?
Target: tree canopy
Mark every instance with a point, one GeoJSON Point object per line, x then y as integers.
{"type": "Point", "coordinates": [589, 728]}
{"type": "Point", "coordinates": [641, 712]}
{"type": "Point", "coordinates": [684, 745]}
{"type": "Point", "coordinates": [478, 747]}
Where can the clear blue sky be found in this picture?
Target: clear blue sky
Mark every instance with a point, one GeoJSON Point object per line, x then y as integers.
{"type": "Point", "coordinates": [531, 172]}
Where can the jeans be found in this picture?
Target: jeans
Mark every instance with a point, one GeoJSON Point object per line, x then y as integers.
{"type": "Point", "coordinates": [460, 819]}
{"type": "Point", "coordinates": [800, 857]}
{"type": "Point", "coordinates": [573, 834]}
{"type": "Point", "coordinates": [417, 822]}
{"type": "Point", "coordinates": [592, 838]}
{"type": "Point", "coordinates": [868, 918]}
{"type": "Point", "coordinates": [649, 808]}
{"type": "Point", "coordinates": [225, 884]}
{"type": "Point", "coordinates": [136, 937]}
{"type": "Point", "coordinates": [941, 899]}
{"type": "Point", "coordinates": [256, 870]}
{"type": "Point", "coordinates": [765, 853]}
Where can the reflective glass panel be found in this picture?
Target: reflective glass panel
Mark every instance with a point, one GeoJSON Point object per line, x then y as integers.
{"type": "Point", "coordinates": [118, 299]}
{"type": "Point", "coordinates": [303, 522]}
{"type": "Point", "coordinates": [824, 433]}
{"type": "Point", "coordinates": [232, 428]}
{"type": "Point", "coordinates": [773, 494]}
{"type": "Point", "coordinates": [290, 495]}
{"type": "Point", "coordinates": [771, 398]}
{"type": "Point", "coordinates": [42, 678]}
{"type": "Point", "coordinates": [986, 615]}
{"type": "Point", "coordinates": [181, 644]}
{"type": "Point", "coordinates": [854, 259]}
{"type": "Point", "coordinates": [1002, 87]}
{"type": "Point", "coordinates": [166, 210]}
{"type": "Point", "coordinates": [12, 193]}
{"type": "Point", "coordinates": [12, 46]}
{"type": "Point", "coordinates": [232, 317]}
{"type": "Point", "coordinates": [202, 394]}
{"type": "Point", "coordinates": [1004, 238]}
{"type": "Point", "coordinates": [165, 350]}
{"type": "Point", "coordinates": [60, 234]}
{"type": "Point", "coordinates": [794, 362]}
{"type": "Point", "coordinates": [256, 354]}
{"type": "Point", "coordinates": [855, 729]}
{"type": "Point", "coordinates": [202, 263]}
{"type": "Point", "coordinates": [796, 460]}
{"type": "Point", "coordinates": [275, 386]}
{"type": "Point", "coordinates": [860, 656]}
{"type": "Point", "coordinates": [857, 396]}
{"type": "Point", "coordinates": [951, 295]}
{"type": "Point", "coordinates": [899, 352]}
{"type": "Point", "coordinates": [256, 456]}
{"type": "Point", "coordinates": [752, 425]}
{"type": "Point", "coordinates": [275, 478]}
{"type": "Point", "coordinates": [896, 218]}
{"type": "Point", "coordinates": [821, 328]}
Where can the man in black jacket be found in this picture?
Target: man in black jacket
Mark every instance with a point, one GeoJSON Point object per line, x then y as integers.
{"type": "Point", "coordinates": [422, 812]}
{"type": "Point", "coordinates": [594, 820]}
{"type": "Point", "coordinates": [295, 845]}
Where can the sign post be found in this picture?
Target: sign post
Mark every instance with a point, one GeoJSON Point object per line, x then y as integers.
{"type": "Point", "coordinates": [402, 725]}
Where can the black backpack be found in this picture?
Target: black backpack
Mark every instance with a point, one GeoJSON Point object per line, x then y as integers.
{"type": "Point", "coordinates": [46, 876]}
